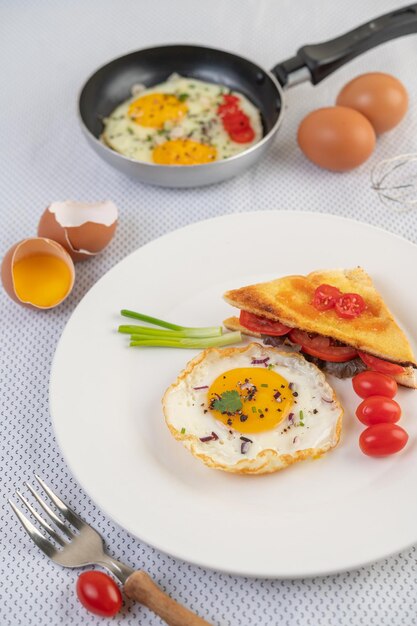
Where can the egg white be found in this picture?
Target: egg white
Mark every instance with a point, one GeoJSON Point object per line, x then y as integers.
{"type": "Point", "coordinates": [313, 434]}
{"type": "Point", "coordinates": [201, 123]}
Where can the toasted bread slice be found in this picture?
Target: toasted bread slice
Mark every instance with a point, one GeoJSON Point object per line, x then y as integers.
{"type": "Point", "coordinates": [288, 300]}
{"type": "Point", "coordinates": [232, 323]}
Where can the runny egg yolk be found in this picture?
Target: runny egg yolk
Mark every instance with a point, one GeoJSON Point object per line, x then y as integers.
{"type": "Point", "coordinates": [250, 400]}
{"type": "Point", "coordinates": [155, 109]}
{"type": "Point", "coordinates": [183, 152]}
{"type": "Point", "coordinates": [41, 279]}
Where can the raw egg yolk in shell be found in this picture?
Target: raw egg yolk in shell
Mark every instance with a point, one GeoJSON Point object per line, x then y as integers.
{"type": "Point", "coordinates": [250, 400]}
{"type": "Point", "coordinates": [183, 152]}
{"type": "Point", "coordinates": [41, 279]}
{"type": "Point", "coordinates": [155, 109]}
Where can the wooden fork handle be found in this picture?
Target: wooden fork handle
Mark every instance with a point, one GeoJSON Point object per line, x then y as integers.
{"type": "Point", "coordinates": [140, 587]}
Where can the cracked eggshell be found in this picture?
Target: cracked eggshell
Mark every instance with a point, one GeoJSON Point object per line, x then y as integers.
{"type": "Point", "coordinates": [83, 228]}
{"type": "Point", "coordinates": [30, 247]}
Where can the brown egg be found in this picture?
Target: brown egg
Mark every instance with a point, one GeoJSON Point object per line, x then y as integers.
{"type": "Point", "coordinates": [38, 273]}
{"type": "Point", "coordinates": [83, 228]}
{"type": "Point", "coordinates": [381, 98]}
{"type": "Point", "coordinates": [336, 138]}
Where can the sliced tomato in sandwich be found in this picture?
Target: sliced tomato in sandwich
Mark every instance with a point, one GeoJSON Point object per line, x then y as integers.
{"type": "Point", "coordinates": [321, 347]}
{"type": "Point", "coordinates": [262, 325]}
{"type": "Point", "coordinates": [379, 365]}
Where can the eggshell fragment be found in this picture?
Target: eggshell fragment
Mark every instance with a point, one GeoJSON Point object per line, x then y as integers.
{"type": "Point", "coordinates": [380, 97]}
{"type": "Point", "coordinates": [83, 228]}
{"type": "Point", "coordinates": [336, 138]}
{"type": "Point", "coordinates": [27, 248]}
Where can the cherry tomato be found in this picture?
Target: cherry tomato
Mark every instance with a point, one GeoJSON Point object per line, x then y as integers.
{"type": "Point", "coordinates": [245, 135]}
{"type": "Point", "coordinates": [325, 297]}
{"type": "Point", "coordinates": [349, 305]}
{"type": "Point", "coordinates": [371, 383]}
{"type": "Point", "coordinates": [262, 325]}
{"type": "Point", "coordinates": [235, 121]}
{"type": "Point", "coordinates": [378, 410]}
{"type": "Point", "coordinates": [382, 439]}
{"type": "Point", "coordinates": [321, 347]}
{"type": "Point", "coordinates": [229, 105]}
{"type": "Point", "coordinates": [238, 127]}
{"type": "Point", "coordinates": [379, 365]}
{"type": "Point", "coordinates": [99, 594]}
{"type": "Point", "coordinates": [227, 110]}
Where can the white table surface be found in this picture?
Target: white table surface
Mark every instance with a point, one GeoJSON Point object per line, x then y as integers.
{"type": "Point", "coordinates": [47, 49]}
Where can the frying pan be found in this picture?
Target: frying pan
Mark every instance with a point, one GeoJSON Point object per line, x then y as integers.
{"type": "Point", "coordinates": [112, 84]}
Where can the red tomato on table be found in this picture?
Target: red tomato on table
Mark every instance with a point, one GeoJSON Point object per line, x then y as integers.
{"type": "Point", "coordinates": [99, 594]}
{"type": "Point", "coordinates": [382, 439]}
{"type": "Point", "coordinates": [378, 410]}
{"type": "Point", "coordinates": [371, 383]}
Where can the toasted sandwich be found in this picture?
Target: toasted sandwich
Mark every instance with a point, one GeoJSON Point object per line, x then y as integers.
{"type": "Point", "coordinates": [335, 318]}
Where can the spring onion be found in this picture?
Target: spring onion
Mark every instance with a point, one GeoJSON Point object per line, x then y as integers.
{"type": "Point", "coordinates": [159, 332]}
{"type": "Point", "coordinates": [172, 335]}
{"type": "Point", "coordinates": [186, 342]}
{"type": "Point", "coordinates": [211, 331]}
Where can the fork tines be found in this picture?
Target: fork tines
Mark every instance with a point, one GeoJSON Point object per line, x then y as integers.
{"type": "Point", "coordinates": [41, 541]}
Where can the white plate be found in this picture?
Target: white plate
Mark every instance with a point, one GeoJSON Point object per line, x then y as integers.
{"type": "Point", "coordinates": [317, 517]}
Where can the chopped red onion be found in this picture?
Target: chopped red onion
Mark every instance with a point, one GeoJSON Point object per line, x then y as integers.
{"type": "Point", "coordinates": [246, 385]}
{"type": "Point", "coordinates": [290, 417]}
{"type": "Point", "coordinates": [291, 386]}
{"type": "Point", "coordinates": [211, 437]}
{"type": "Point", "coordinates": [246, 439]}
{"type": "Point", "coordinates": [327, 400]}
{"type": "Point", "coordinates": [202, 387]}
{"type": "Point", "coordinates": [245, 447]}
{"type": "Point", "coordinates": [296, 439]}
{"type": "Point", "coordinates": [277, 396]}
{"type": "Point", "coordinates": [260, 361]}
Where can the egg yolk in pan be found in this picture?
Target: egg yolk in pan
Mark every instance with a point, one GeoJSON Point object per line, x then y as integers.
{"type": "Point", "coordinates": [183, 152]}
{"type": "Point", "coordinates": [204, 122]}
{"type": "Point", "coordinates": [154, 109]}
{"type": "Point", "coordinates": [250, 400]}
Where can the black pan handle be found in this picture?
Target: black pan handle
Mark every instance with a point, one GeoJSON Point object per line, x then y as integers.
{"type": "Point", "coordinates": [324, 58]}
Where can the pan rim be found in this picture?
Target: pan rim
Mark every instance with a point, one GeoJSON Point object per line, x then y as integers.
{"type": "Point", "coordinates": [215, 164]}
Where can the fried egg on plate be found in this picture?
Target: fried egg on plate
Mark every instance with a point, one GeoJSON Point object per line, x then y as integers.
{"type": "Point", "coordinates": [178, 123]}
{"type": "Point", "coordinates": [252, 410]}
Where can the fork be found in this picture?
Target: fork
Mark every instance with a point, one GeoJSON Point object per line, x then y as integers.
{"type": "Point", "coordinates": [86, 547]}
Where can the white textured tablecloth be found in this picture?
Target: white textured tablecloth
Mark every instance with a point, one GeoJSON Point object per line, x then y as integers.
{"type": "Point", "coordinates": [47, 49]}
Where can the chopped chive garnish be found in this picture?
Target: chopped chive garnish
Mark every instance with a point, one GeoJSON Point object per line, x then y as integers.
{"type": "Point", "coordinates": [254, 409]}
{"type": "Point", "coordinates": [182, 431]}
{"type": "Point", "coordinates": [301, 415]}
{"type": "Point", "coordinates": [264, 385]}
